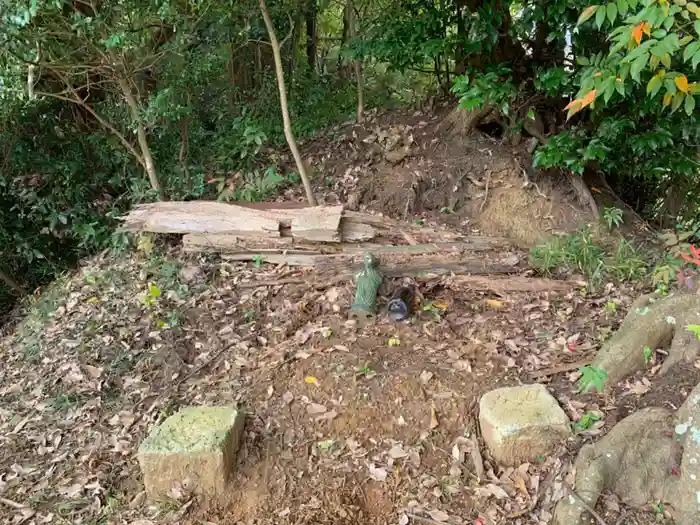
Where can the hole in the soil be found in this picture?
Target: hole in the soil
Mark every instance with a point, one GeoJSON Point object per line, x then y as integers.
{"type": "Point", "coordinates": [492, 129]}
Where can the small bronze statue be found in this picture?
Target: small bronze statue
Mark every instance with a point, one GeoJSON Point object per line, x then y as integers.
{"type": "Point", "coordinates": [367, 282]}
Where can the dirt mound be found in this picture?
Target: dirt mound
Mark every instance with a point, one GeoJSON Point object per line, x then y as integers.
{"type": "Point", "coordinates": [412, 167]}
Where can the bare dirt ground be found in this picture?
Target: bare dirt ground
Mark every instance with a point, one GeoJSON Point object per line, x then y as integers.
{"type": "Point", "coordinates": [346, 424]}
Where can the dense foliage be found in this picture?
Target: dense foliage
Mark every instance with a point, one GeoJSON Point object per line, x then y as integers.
{"type": "Point", "coordinates": [103, 104]}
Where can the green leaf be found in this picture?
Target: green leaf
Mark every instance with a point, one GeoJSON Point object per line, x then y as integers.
{"type": "Point", "coordinates": [696, 59]}
{"type": "Point", "coordinates": [695, 328]}
{"type": "Point", "coordinates": [620, 87]}
{"type": "Point", "coordinates": [654, 85]}
{"type": "Point", "coordinates": [697, 27]}
{"type": "Point", "coordinates": [670, 86]}
{"type": "Point", "coordinates": [690, 50]}
{"type": "Point", "coordinates": [677, 101]}
{"type": "Point", "coordinates": [622, 7]}
{"type": "Point", "coordinates": [592, 377]}
{"type": "Point", "coordinates": [582, 61]}
{"type": "Point", "coordinates": [689, 104]}
{"type": "Point", "coordinates": [668, 23]}
{"type": "Point", "coordinates": [638, 65]}
{"type": "Point", "coordinates": [586, 14]}
{"type": "Point", "coordinates": [600, 17]}
{"type": "Point", "coordinates": [612, 12]}
{"type": "Point", "coordinates": [632, 3]}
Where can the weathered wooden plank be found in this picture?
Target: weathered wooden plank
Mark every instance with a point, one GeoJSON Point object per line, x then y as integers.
{"type": "Point", "coordinates": [320, 224]}
{"type": "Point", "coordinates": [201, 217]}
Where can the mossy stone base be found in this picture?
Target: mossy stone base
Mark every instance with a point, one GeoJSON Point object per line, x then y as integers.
{"type": "Point", "coordinates": [197, 444]}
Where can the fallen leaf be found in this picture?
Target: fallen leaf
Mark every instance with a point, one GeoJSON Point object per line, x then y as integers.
{"type": "Point", "coordinates": [93, 371]}
{"type": "Point", "coordinates": [492, 490]}
{"type": "Point", "coordinates": [311, 380]}
{"type": "Point", "coordinates": [326, 445]}
{"type": "Point", "coordinates": [314, 409]}
{"type": "Point", "coordinates": [377, 473]}
{"type": "Point", "coordinates": [425, 377]}
{"type": "Point", "coordinates": [397, 452]}
{"type": "Point", "coordinates": [463, 365]}
{"type": "Point", "coordinates": [433, 418]}
{"type": "Point", "coordinates": [494, 303]}
{"type": "Point", "coordinates": [403, 519]}
{"type": "Point", "coordinates": [287, 397]}
{"type": "Point", "coordinates": [638, 388]}
{"type": "Point", "coordinates": [439, 515]}
{"type": "Point", "coordinates": [394, 341]}
{"type": "Point", "coordinates": [328, 416]}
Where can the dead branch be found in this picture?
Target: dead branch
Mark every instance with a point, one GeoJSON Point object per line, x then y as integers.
{"type": "Point", "coordinates": [288, 133]}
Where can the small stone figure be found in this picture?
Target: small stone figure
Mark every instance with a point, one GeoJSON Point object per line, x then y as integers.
{"type": "Point", "coordinates": [367, 283]}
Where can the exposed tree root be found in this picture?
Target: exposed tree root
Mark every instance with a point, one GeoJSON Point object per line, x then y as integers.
{"type": "Point", "coordinates": [656, 323]}
{"type": "Point", "coordinates": [462, 122]}
{"type": "Point", "coordinates": [647, 457]}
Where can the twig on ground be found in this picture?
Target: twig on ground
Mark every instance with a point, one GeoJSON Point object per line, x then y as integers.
{"type": "Point", "coordinates": [586, 506]}
{"type": "Point", "coordinates": [423, 519]}
{"type": "Point", "coordinates": [486, 192]}
{"type": "Point", "coordinates": [568, 367]}
{"type": "Point", "coordinates": [12, 504]}
{"type": "Point", "coordinates": [273, 282]}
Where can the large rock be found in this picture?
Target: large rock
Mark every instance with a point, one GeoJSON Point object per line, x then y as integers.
{"type": "Point", "coordinates": [196, 446]}
{"type": "Point", "coordinates": [521, 424]}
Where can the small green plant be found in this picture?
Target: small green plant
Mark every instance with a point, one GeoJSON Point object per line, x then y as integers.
{"type": "Point", "coordinates": [249, 314]}
{"type": "Point", "coordinates": [695, 328]}
{"type": "Point", "coordinates": [582, 252]}
{"type": "Point", "coordinates": [586, 421]}
{"type": "Point", "coordinates": [591, 377]}
{"type": "Point", "coordinates": [151, 296]}
{"type": "Point", "coordinates": [363, 370]}
{"type": "Point", "coordinates": [258, 261]}
{"type": "Point", "coordinates": [648, 355]}
{"type": "Point", "coordinates": [254, 187]}
{"type": "Point", "coordinates": [420, 222]}
{"type": "Point", "coordinates": [446, 210]}
{"type": "Point", "coordinates": [610, 308]}
{"type": "Point", "coordinates": [658, 509]}
{"type": "Point", "coordinates": [613, 217]}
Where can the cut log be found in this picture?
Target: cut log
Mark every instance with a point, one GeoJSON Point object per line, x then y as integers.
{"type": "Point", "coordinates": [321, 224]}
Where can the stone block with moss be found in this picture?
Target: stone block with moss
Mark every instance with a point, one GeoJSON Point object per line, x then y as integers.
{"type": "Point", "coordinates": [196, 446]}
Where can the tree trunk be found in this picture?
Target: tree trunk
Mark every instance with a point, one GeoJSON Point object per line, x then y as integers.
{"type": "Point", "coordinates": [345, 37]}
{"type": "Point", "coordinates": [11, 283]}
{"type": "Point", "coordinates": [352, 33]}
{"type": "Point", "coordinates": [148, 163]}
{"type": "Point", "coordinates": [288, 134]}
{"type": "Point", "coordinates": [311, 34]}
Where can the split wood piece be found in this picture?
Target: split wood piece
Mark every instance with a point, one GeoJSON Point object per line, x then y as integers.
{"type": "Point", "coordinates": [358, 226]}
{"type": "Point", "coordinates": [320, 223]}
{"type": "Point", "coordinates": [236, 244]}
{"type": "Point", "coordinates": [515, 283]}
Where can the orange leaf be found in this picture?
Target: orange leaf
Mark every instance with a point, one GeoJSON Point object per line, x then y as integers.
{"type": "Point", "coordinates": [646, 28]}
{"type": "Point", "coordinates": [682, 83]}
{"type": "Point", "coordinates": [572, 103]}
{"type": "Point", "coordinates": [667, 99]}
{"type": "Point", "coordinates": [589, 98]}
{"type": "Point", "coordinates": [637, 33]}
